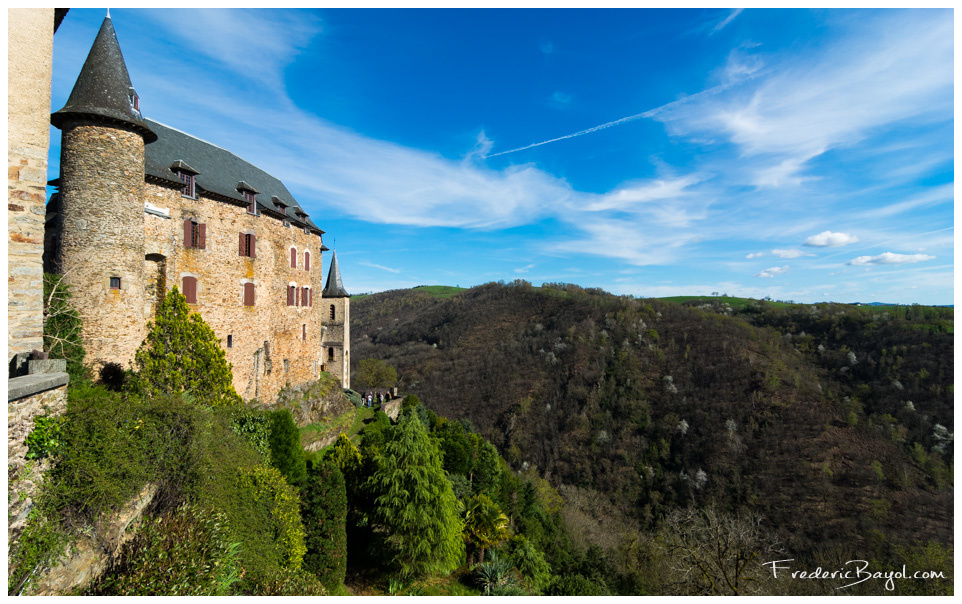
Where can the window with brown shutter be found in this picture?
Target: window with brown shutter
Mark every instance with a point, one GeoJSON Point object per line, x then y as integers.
{"type": "Point", "coordinates": [290, 295]}
{"type": "Point", "coordinates": [248, 294]}
{"type": "Point", "coordinates": [252, 205]}
{"type": "Point", "coordinates": [304, 296]}
{"type": "Point", "coordinates": [293, 258]}
{"type": "Point", "coordinates": [190, 289]}
{"type": "Point", "coordinates": [195, 234]}
{"type": "Point", "coordinates": [297, 297]}
{"type": "Point", "coordinates": [307, 261]}
{"type": "Point", "coordinates": [304, 331]}
{"type": "Point", "coordinates": [332, 312]}
{"type": "Point", "coordinates": [310, 297]}
{"type": "Point", "coordinates": [245, 245]}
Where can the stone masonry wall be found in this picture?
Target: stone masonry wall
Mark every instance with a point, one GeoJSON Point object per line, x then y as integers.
{"type": "Point", "coordinates": [29, 64]}
{"type": "Point", "coordinates": [268, 346]}
{"type": "Point", "coordinates": [102, 186]}
{"type": "Point", "coordinates": [24, 476]}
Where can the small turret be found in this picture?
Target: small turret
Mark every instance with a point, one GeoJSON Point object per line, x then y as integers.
{"type": "Point", "coordinates": [101, 242]}
{"type": "Point", "coordinates": [337, 326]}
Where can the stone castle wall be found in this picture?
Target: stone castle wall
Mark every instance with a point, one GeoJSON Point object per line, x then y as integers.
{"type": "Point", "coordinates": [29, 65]}
{"type": "Point", "coordinates": [268, 348]}
{"type": "Point", "coordinates": [102, 187]}
{"type": "Point", "coordinates": [47, 396]}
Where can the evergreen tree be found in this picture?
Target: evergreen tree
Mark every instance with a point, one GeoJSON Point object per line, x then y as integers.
{"type": "Point", "coordinates": [286, 452]}
{"type": "Point", "coordinates": [415, 504]}
{"type": "Point", "coordinates": [182, 353]}
{"type": "Point", "coordinates": [324, 511]}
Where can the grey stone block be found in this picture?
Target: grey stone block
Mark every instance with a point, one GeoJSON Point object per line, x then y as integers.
{"type": "Point", "coordinates": [27, 385]}
{"type": "Point", "coordinates": [47, 366]}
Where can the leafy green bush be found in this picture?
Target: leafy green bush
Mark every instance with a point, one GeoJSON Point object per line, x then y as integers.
{"type": "Point", "coordinates": [324, 511]}
{"type": "Point", "coordinates": [255, 426]}
{"type": "Point", "coordinates": [185, 553]}
{"type": "Point", "coordinates": [272, 507]}
{"type": "Point", "coordinates": [182, 353]}
{"type": "Point", "coordinates": [573, 585]}
{"type": "Point", "coordinates": [530, 563]}
{"type": "Point", "coordinates": [286, 453]}
{"type": "Point", "coordinates": [282, 582]}
{"type": "Point", "coordinates": [44, 440]}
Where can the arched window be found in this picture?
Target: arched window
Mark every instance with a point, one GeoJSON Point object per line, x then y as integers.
{"type": "Point", "coordinates": [332, 312]}
{"type": "Point", "coordinates": [248, 294]}
{"type": "Point", "coordinates": [293, 258]}
{"type": "Point", "coordinates": [307, 261]}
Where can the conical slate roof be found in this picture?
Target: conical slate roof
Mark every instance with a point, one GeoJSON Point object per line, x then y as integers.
{"type": "Point", "coordinates": [334, 287]}
{"type": "Point", "coordinates": [103, 89]}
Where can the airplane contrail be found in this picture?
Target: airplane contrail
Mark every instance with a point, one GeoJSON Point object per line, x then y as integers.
{"type": "Point", "coordinates": [630, 118]}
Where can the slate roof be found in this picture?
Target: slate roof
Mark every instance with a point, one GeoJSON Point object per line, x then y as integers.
{"type": "Point", "coordinates": [102, 91]}
{"type": "Point", "coordinates": [220, 172]}
{"type": "Point", "coordinates": [334, 287]}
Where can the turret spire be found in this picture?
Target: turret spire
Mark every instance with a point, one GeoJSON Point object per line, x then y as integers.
{"type": "Point", "coordinates": [103, 91]}
{"type": "Point", "coordinates": [334, 287]}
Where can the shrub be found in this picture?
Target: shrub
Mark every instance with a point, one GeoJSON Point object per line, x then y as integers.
{"type": "Point", "coordinates": [44, 440]}
{"type": "Point", "coordinates": [255, 426]}
{"type": "Point", "coordinates": [530, 563]}
{"type": "Point", "coordinates": [113, 377]}
{"type": "Point", "coordinates": [286, 452]}
{"type": "Point", "coordinates": [182, 353]}
{"type": "Point", "coordinates": [324, 511]}
{"type": "Point", "coordinates": [185, 553]}
{"type": "Point", "coordinates": [282, 582]}
{"type": "Point", "coordinates": [275, 534]}
{"type": "Point", "coordinates": [573, 585]}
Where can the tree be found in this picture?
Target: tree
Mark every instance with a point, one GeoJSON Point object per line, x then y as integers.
{"type": "Point", "coordinates": [485, 526]}
{"type": "Point", "coordinates": [324, 511]}
{"type": "Point", "coordinates": [717, 554]}
{"type": "Point", "coordinates": [62, 327]}
{"type": "Point", "coordinates": [182, 353]}
{"type": "Point", "coordinates": [376, 373]}
{"type": "Point", "coordinates": [286, 452]}
{"type": "Point", "coordinates": [415, 504]}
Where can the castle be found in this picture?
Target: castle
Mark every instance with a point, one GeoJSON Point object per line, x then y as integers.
{"type": "Point", "coordinates": [142, 207]}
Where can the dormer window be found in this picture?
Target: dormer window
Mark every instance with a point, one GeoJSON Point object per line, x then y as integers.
{"type": "Point", "coordinates": [134, 99]}
{"type": "Point", "coordinates": [188, 176]}
{"type": "Point", "coordinates": [248, 192]}
{"type": "Point", "coordinates": [281, 206]}
{"type": "Point", "coordinates": [188, 179]}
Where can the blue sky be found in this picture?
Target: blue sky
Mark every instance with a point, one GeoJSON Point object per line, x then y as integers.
{"type": "Point", "coordinates": [798, 154]}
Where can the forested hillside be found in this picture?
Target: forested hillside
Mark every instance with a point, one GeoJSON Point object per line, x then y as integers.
{"type": "Point", "coordinates": [833, 423]}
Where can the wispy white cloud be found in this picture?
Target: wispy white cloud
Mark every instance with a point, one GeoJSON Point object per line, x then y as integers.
{"type": "Point", "coordinates": [728, 19]}
{"type": "Point", "coordinates": [771, 272]}
{"type": "Point", "coordinates": [790, 253]}
{"type": "Point", "coordinates": [383, 268]}
{"type": "Point", "coordinates": [897, 67]}
{"type": "Point", "coordinates": [936, 195]}
{"type": "Point", "coordinates": [830, 239]}
{"type": "Point", "coordinates": [524, 269]}
{"type": "Point", "coordinates": [755, 255]}
{"type": "Point", "coordinates": [890, 258]}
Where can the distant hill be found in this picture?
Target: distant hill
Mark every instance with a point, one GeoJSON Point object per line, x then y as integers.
{"type": "Point", "coordinates": [823, 418]}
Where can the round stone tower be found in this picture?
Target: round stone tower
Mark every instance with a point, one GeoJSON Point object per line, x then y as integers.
{"type": "Point", "coordinates": [336, 353]}
{"type": "Point", "coordinates": [101, 244]}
